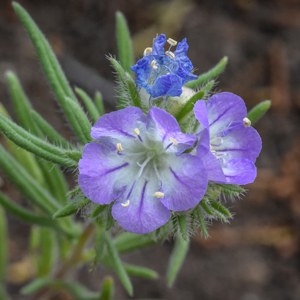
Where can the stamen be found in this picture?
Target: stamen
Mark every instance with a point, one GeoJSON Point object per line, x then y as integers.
{"type": "Point", "coordinates": [170, 54]}
{"type": "Point", "coordinates": [126, 203]}
{"type": "Point", "coordinates": [119, 147]}
{"type": "Point", "coordinates": [174, 141]}
{"type": "Point", "coordinates": [154, 64]}
{"type": "Point", "coordinates": [246, 122]}
{"type": "Point", "coordinates": [171, 42]}
{"type": "Point", "coordinates": [147, 51]}
{"type": "Point", "coordinates": [158, 195]}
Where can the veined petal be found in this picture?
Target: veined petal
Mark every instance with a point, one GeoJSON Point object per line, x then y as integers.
{"type": "Point", "coordinates": [239, 171]}
{"type": "Point", "coordinates": [185, 183]}
{"type": "Point", "coordinates": [181, 49]}
{"type": "Point", "coordinates": [167, 85]}
{"type": "Point", "coordinates": [213, 168]}
{"type": "Point", "coordinates": [240, 142]}
{"type": "Point", "coordinates": [224, 110]}
{"type": "Point", "coordinates": [167, 129]}
{"type": "Point", "coordinates": [158, 45]}
{"type": "Point", "coordinates": [102, 173]}
{"type": "Point", "coordinates": [142, 212]}
{"type": "Point", "coordinates": [201, 114]}
{"type": "Point", "coordinates": [118, 124]}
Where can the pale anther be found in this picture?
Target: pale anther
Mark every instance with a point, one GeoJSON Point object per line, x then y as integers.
{"type": "Point", "coordinates": [171, 42]}
{"type": "Point", "coordinates": [174, 141]}
{"type": "Point", "coordinates": [154, 64]}
{"type": "Point", "coordinates": [170, 54]}
{"type": "Point", "coordinates": [147, 51]}
{"type": "Point", "coordinates": [119, 147]}
{"type": "Point", "coordinates": [158, 195]}
{"type": "Point", "coordinates": [136, 131]}
{"type": "Point", "coordinates": [246, 122]}
{"type": "Point", "coordinates": [126, 203]}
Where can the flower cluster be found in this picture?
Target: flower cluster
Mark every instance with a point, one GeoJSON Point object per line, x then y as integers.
{"type": "Point", "coordinates": [146, 167]}
{"type": "Point", "coordinates": [163, 73]}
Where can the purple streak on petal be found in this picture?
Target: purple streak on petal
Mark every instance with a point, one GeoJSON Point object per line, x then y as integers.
{"type": "Point", "coordinates": [99, 173]}
{"type": "Point", "coordinates": [144, 213]}
{"type": "Point", "coordinates": [213, 168]}
{"type": "Point", "coordinates": [185, 184]}
{"type": "Point", "coordinates": [118, 124]}
{"type": "Point", "coordinates": [166, 127]}
{"type": "Point", "coordinates": [239, 171]}
{"type": "Point", "coordinates": [240, 142]}
{"type": "Point", "coordinates": [224, 109]}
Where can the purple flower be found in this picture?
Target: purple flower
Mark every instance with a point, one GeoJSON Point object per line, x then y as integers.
{"type": "Point", "coordinates": [140, 163]}
{"type": "Point", "coordinates": [234, 144]}
{"type": "Point", "coordinates": [163, 73]}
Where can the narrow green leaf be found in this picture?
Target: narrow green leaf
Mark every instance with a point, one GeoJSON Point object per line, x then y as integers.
{"type": "Point", "coordinates": [107, 289]}
{"type": "Point", "coordinates": [46, 252]}
{"type": "Point", "coordinates": [78, 291]}
{"type": "Point", "coordinates": [232, 190]}
{"type": "Point", "coordinates": [189, 106]}
{"type": "Point", "coordinates": [99, 103]}
{"type": "Point", "coordinates": [51, 68]}
{"type": "Point", "coordinates": [177, 259]}
{"type": "Point", "coordinates": [139, 271]}
{"type": "Point", "coordinates": [21, 103]}
{"type": "Point", "coordinates": [124, 44]}
{"type": "Point", "coordinates": [128, 242]}
{"type": "Point", "coordinates": [27, 185]}
{"type": "Point", "coordinates": [3, 244]}
{"type": "Point", "coordinates": [70, 208]}
{"type": "Point", "coordinates": [33, 144]}
{"type": "Point", "coordinates": [25, 214]}
{"type": "Point", "coordinates": [211, 74]}
{"type": "Point", "coordinates": [89, 104]}
{"type": "Point", "coordinates": [118, 265]}
{"type": "Point", "coordinates": [80, 117]}
{"type": "Point", "coordinates": [49, 131]}
{"type": "Point", "coordinates": [258, 111]}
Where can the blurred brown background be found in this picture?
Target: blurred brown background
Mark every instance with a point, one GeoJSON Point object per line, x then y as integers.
{"type": "Point", "coordinates": [256, 257]}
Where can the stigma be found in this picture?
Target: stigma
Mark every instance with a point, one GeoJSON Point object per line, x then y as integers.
{"type": "Point", "coordinates": [174, 141]}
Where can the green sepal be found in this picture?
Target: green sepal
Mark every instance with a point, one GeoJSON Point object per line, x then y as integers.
{"type": "Point", "coordinates": [258, 111]}
{"type": "Point", "coordinates": [199, 216]}
{"type": "Point", "coordinates": [211, 74]}
{"type": "Point", "coordinates": [76, 202]}
{"type": "Point", "coordinates": [124, 44]}
{"type": "Point", "coordinates": [117, 264]}
{"type": "Point", "coordinates": [182, 225]}
{"type": "Point", "coordinates": [231, 190]}
{"type": "Point", "coordinates": [215, 209]}
{"type": "Point", "coordinates": [89, 104]}
{"type": "Point", "coordinates": [189, 105]}
{"type": "Point", "coordinates": [127, 92]}
{"type": "Point", "coordinates": [177, 258]}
